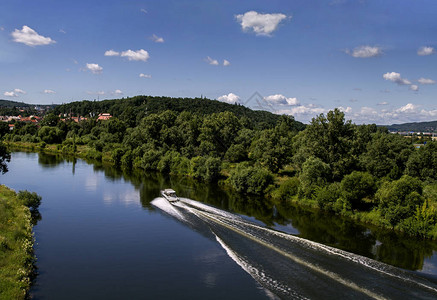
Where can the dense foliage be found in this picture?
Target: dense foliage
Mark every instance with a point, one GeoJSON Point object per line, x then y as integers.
{"type": "Point", "coordinates": [17, 213]}
{"type": "Point", "coordinates": [360, 171]}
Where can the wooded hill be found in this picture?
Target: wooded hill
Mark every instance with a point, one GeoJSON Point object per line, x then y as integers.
{"type": "Point", "coordinates": [8, 103]}
{"type": "Point", "coordinates": [132, 110]}
{"type": "Point", "coordinates": [416, 127]}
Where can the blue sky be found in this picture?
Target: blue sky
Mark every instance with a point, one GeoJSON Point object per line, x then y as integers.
{"type": "Point", "coordinates": [376, 60]}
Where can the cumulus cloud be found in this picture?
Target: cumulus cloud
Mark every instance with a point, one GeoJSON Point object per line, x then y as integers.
{"type": "Point", "coordinates": [281, 100]}
{"type": "Point", "coordinates": [49, 92]}
{"type": "Point", "coordinates": [364, 51]}
{"type": "Point", "coordinates": [139, 55]}
{"type": "Point", "coordinates": [30, 37]}
{"type": "Point", "coordinates": [211, 61]}
{"type": "Point", "coordinates": [94, 68]}
{"type": "Point", "coordinates": [14, 93]}
{"type": "Point", "coordinates": [414, 87]}
{"type": "Point", "coordinates": [118, 92]}
{"type": "Point", "coordinates": [112, 53]}
{"type": "Point", "coordinates": [142, 75]}
{"type": "Point", "coordinates": [383, 103]}
{"type": "Point", "coordinates": [226, 62]}
{"type": "Point", "coordinates": [396, 78]}
{"type": "Point", "coordinates": [303, 113]}
{"type": "Point", "coordinates": [229, 98]}
{"type": "Point", "coordinates": [260, 24]}
{"type": "Point", "coordinates": [423, 51]}
{"type": "Point", "coordinates": [426, 81]}
{"type": "Point", "coordinates": [157, 39]}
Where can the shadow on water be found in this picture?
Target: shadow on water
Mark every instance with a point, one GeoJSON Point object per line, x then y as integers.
{"type": "Point", "coordinates": [382, 245]}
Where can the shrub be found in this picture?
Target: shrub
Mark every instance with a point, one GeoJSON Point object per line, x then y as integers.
{"type": "Point", "coordinates": [287, 189]}
{"type": "Point", "coordinates": [328, 196]}
{"type": "Point", "coordinates": [357, 186]}
{"type": "Point", "coordinates": [31, 200]}
{"type": "Point", "coordinates": [251, 180]}
{"type": "Point", "coordinates": [314, 175]}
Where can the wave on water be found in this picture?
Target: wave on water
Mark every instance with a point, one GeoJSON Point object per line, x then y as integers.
{"type": "Point", "coordinates": [290, 267]}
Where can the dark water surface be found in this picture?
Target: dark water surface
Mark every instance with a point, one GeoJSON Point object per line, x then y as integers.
{"type": "Point", "coordinates": [108, 235]}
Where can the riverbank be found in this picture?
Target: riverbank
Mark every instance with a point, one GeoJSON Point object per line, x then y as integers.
{"type": "Point", "coordinates": [277, 187]}
{"type": "Point", "coordinates": [16, 243]}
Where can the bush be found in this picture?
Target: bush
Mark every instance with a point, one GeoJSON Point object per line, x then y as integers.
{"type": "Point", "coordinates": [328, 196]}
{"type": "Point", "coordinates": [250, 180]}
{"type": "Point", "coordinates": [287, 189]}
{"type": "Point", "coordinates": [315, 174]}
{"type": "Point", "coordinates": [357, 186]}
{"type": "Point", "coordinates": [398, 199]}
{"type": "Point", "coordinates": [116, 156]}
{"type": "Point", "coordinates": [31, 200]}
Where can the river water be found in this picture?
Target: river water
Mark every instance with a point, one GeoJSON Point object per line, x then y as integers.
{"type": "Point", "coordinates": [105, 234]}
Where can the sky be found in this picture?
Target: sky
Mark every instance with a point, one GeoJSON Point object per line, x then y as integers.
{"type": "Point", "coordinates": [374, 60]}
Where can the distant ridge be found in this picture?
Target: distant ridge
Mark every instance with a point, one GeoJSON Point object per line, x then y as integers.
{"type": "Point", "coordinates": [9, 103]}
{"type": "Point", "coordinates": [415, 126]}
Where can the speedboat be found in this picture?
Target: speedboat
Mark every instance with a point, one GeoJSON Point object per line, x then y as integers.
{"type": "Point", "coordinates": [170, 195]}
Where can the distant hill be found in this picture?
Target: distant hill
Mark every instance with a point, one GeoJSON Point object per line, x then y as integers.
{"type": "Point", "coordinates": [417, 126]}
{"type": "Point", "coordinates": [137, 107]}
{"type": "Point", "coordinates": [8, 103]}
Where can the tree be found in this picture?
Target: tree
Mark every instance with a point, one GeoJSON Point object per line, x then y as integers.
{"type": "Point", "coordinates": [5, 157]}
{"type": "Point", "coordinates": [422, 163]}
{"type": "Point", "coordinates": [357, 186]}
{"type": "Point", "coordinates": [398, 199]}
{"type": "Point", "coordinates": [315, 174]}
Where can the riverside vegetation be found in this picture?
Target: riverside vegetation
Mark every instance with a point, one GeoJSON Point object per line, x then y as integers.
{"type": "Point", "coordinates": [358, 171]}
{"type": "Point", "coordinates": [18, 213]}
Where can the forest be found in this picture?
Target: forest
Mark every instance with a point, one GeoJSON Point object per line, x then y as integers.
{"type": "Point", "coordinates": [359, 171]}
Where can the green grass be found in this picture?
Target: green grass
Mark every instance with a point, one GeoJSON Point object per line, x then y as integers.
{"type": "Point", "coordinates": [16, 246]}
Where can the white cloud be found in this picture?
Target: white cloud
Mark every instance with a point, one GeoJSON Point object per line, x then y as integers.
{"type": "Point", "coordinates": [345, 109]}
{"type": "Point", "coordinates": [94, 68]}
{"type": "Point", "coordinates": [396, 78]}
{"type": "Point", "coordinates": [281, 100]}
{"type": "Point", "coordinates": [426, 81]}
{"type": "Point", "coordinates": [414, 87]}
{"type": "Point", "coordinates": [260, 24]}
{"type": "Point", "coordinates": [14, 93]}
{"type": "Point", "coordinates": [49, 92]}
{"type": "Point", "coordinates": [142, 75]}
{"type": "Point", "coordinates": [118, 92]}
{"type": "Point", "coordinates": [303, 113]}
{"type": "Point", "coordinates": [226, 62]}
{"type": "Point", "coordinates": [211, 61]}
{"type": "Point", "coordinates": [18, 91]}
{"type": "Point", "coordinates": [229, 98]}
{"type": "Point", "coordinates": [365, 51]}
{"type": "Point", "coordinates": [139, 55]}
{"type": "Point", "coordinates": [10, 94]}
{"type": "Point", "coordinates": [423, 51]}
{"type": "Point", "coordinates": [143, 10]}
{"type": "Point", "coordinates": [2, 28]}
{"type": "Point", "coordinates": [112, 53]}
{"type": "Point", "coordinates": [62, 31]}
{"type": "Point", "coordinates": [157, 39]}
{"type": "Point", "coordinates": [383, 103]}
{"type": "Point", "coordinates": [30, 37]}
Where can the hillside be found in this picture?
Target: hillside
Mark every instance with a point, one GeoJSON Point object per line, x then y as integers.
{"type": "Point", "coordinates": [8, 103]}
{"type": "Point", "coordinates": [416, 127]}
{"type": "Point", "coordinates": [135, 108]}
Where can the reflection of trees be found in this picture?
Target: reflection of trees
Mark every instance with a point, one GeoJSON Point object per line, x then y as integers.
{"type": "Point", "coordinates": [50, 160]}
{"type": "Point", "coordinates": [392, 248]}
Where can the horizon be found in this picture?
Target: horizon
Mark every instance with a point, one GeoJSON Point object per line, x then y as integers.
{"type": "Point", "coordinates": [374, 61]}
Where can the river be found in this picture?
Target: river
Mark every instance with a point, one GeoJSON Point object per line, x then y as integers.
{"type": "Point", "coordinates": [105, 234]}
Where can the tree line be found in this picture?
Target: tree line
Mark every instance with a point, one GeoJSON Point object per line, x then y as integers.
{"type": "Point", "coordinates": [360, 171]}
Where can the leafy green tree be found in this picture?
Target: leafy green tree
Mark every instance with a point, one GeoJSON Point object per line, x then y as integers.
{"type": "Point", "coordinates": [315, 174]}
{"type": "Point", "coordinates": [422, 163]}
{"type": "Point", "coordinates": [50, 120]}
{"type": "Point", "coordinates": [398, 199]}
{"type": "Point", "coordinates": [357, 186]}
{"type": "Point", "coordinates": [386, 155]}
{"type": "Point", "coordinates": [5, 157]}
{"type": "Point", "coordinates": [330, 139]}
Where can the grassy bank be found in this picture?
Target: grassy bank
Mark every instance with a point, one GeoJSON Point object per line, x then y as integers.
{"type": "Point", "coordinates": [16, 242]}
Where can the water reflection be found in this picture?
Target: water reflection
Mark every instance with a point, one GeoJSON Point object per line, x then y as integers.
{"type": "Point", "coordinates": [382, 245]}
